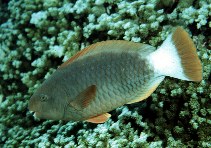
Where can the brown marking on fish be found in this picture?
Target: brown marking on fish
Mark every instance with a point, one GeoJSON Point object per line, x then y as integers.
{"type": "Point", "coordinates": [84, 98]}
{"type": "Point", "coordinates": [187, 52]}
{"type": "Point", "coordinates": [77, 55]}
{"type": "Point", "coordinates": [111, 45]}
{"type": "Point", "coordinates": [100, 118]}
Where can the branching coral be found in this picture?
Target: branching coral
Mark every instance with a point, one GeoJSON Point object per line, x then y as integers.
{"type": "Point", "coordinates": [37, 36]}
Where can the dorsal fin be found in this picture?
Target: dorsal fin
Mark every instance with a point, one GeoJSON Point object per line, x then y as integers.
{"type": "Point", "coordinates": [106, 46]}
{"type": "Point", "coordinates": [78, 54]}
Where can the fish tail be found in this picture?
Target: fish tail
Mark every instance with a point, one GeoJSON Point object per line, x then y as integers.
{"type": "Point", "coordinates": [177, 57]}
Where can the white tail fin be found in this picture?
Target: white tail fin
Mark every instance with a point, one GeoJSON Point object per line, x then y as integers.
{"type": "Point", "coordinates": [177, 57]}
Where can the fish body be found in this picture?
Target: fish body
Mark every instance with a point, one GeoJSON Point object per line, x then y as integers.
{"type": "Point", "coordinates": [109, 74]}
{"type": "Point", "coordinates": [119, 77]}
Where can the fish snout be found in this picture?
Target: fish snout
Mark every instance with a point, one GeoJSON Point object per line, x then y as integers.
{"type": "Point", "coordinates": [32, 103]}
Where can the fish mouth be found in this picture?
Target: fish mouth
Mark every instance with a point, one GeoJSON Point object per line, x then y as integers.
{"type": "Point", "coordinates": [35, 114]}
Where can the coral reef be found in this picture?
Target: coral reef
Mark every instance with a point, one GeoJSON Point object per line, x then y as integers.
{"type": "Point", "coordinates": [37, 36]}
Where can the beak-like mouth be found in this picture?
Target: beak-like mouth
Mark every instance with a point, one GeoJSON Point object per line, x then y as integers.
{"type": "Point", "coordinates": [33, 108]}
{"type": "Point", "coordinates": [35, 114]}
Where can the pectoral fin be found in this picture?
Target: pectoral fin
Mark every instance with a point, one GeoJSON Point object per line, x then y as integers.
{"type": "Point", "coordinates": [100, 118]}
{"type": "Point", "coordinates": [84, 98]}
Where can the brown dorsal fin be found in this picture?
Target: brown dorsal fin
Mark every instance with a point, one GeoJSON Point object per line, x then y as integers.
{"type": "Point", "coordinates": [100, 118]}
{"type": "Point", "coordinates": [148, 90]}
{"type": "Point", "coordinates": [84, 98]}
{"type": "Point", "coordinates": [78, 54]}
{"type": "Point", "coordinates": [106, 46]}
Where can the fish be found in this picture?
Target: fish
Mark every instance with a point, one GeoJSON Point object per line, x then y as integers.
{"type": "Point", "coordinates": [110, 74]}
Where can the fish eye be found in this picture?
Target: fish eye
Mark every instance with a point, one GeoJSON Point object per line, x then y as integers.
{"type": "Point", "coordinates": [43, 97]}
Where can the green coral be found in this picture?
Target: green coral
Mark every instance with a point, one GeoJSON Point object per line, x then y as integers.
{"type": "Point", "coordinates": [37, 36]}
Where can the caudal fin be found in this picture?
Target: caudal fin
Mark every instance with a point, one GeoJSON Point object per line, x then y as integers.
{"type": "Point", "coordinates": [177, 57]}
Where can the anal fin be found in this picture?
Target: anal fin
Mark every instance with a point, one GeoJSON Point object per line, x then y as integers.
{"type": "Point", "coordinates": [100, 118]}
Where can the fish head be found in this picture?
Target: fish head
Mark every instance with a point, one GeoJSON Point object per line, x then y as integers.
{"type": "Point", "coordinates": [45, 104]}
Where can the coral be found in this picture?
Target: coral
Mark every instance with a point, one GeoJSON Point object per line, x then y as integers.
{"type": "Point", "coordinates": [37, 36]}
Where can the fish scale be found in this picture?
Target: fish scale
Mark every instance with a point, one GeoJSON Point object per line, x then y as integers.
{"type": "Point", "coordinates": [107, 74]}
{"type": "Point", "coordinates": [121, 80]}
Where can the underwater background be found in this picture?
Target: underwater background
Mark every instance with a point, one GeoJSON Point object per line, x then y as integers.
{"type": "Point", "coordinates": [37, 36]}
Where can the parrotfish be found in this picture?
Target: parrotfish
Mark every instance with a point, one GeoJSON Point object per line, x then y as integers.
{"type": "Point", "coordinates": [109, 74]}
